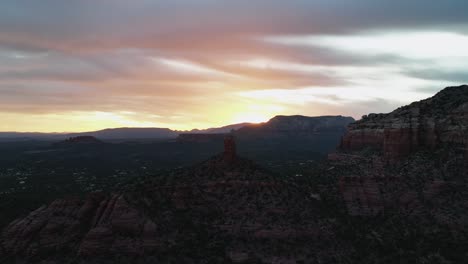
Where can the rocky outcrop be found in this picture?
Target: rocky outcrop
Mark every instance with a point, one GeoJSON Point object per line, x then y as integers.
{"type": "Point", "coordinates": [226, 200]}
{"type": "Point", "coordinates": [361, 195]}
{"type": "Point", "coordinates": [229, 154]}
{"type": "Point", "coordinates": [368, 188]}
{"type": "Point", "coordinates": [99, 225]}
{"type": "Point", "coordinates": [438, 124]}
{"type": "Point", "coordinates": [430, 123]}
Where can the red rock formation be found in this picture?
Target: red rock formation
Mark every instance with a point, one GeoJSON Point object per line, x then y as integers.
{"type": "Point", "coordinates": [432, 123]}
{"type": "Point", "coordinates": [442, 119]}
{"type": "Point", "coordinates": [361, 195]}
{"type": "Point", "coordinates": [357, 139]}
{"type": "Point", "coordinates": [229, 154]}
{"type": "Point", "coordinates": [370, 196]}
{"type": "Point", "coordinates": [99, 225]}
{"type": "Point", "coordinates": [399, 143]}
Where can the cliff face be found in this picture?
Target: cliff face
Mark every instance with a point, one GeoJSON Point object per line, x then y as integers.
{"type": "Point", "coordinates": [423, 184]}
{"type": "Point", "coordinates": [442, 119]}
{"type": "Point", "coordinates": [426, 143]}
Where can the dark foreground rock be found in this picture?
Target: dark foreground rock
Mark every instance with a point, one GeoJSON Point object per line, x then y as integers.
{"type": "Point", "coordinates": [98, 225]}
{"type": "Point", "coordinates": [226, 209]}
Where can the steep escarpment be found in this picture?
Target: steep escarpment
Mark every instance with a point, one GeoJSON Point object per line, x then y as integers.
{"type": "Point", "coordinates": [430, 123]}
{"type": "Point", "coordinates": [421, 160]}
{"type": "Point", "coordinates": [370, 187]}
{"type": "Point", "coordinates": [402, 177]}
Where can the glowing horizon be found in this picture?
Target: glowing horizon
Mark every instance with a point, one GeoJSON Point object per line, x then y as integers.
{"type": "Point", "coordinates": [88, 65]}
{"type": "Point", "coordinates": [101, 120]}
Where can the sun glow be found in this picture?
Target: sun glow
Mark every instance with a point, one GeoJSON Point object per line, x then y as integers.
{"type": "Point", "coordinates": [71, 121]}
{"type": "Point", "coordinates": [251, 118]}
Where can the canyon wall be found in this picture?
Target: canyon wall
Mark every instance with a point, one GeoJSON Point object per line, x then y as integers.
{"type": "Point", "coordinates": [430, 123]}
{"type": "Point", "coordinates": [438, 124]}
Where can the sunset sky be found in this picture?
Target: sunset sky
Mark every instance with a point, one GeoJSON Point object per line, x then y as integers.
{"type": "Point", "coordinates": [80, 65]}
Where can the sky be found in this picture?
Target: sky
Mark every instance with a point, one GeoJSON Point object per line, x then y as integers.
{"type": "Point", "coordinates": [81, 65]}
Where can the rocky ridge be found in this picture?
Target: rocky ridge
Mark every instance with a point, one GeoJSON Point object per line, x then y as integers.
{"type": "Point", "coordinates": [441, 119]}
{"type": "Point", "coordinates": [421, 156]}
{"type": "Point", "coordinates": [296, 125]}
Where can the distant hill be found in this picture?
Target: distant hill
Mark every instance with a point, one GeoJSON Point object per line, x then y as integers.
{"type": "Point", "coordinates": [279, 125]}
{"type": "Point", "coordinates": [219, 130]}
{"type": "Point", "coordinates": [130, 133]}
{"type": "Point", "coordinates": [21, 136]}
{"type": "Point", "coordinates": [297, 124]}
{"type": "Point", "coordinates": [283, 136]}
{"type": "Point", "coordinates": [118, 133]}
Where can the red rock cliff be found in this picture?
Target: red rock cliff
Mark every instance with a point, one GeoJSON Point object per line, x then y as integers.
{"type": "Point", "coordinates": [428, 123]}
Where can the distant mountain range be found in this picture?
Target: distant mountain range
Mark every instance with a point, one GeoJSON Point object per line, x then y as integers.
{"type": "Point", "coordinates": [298, 125]}
{"type": "Point", "coordinates": [118, 133]}
{"type": "Point", "coordinates": [279, 124]}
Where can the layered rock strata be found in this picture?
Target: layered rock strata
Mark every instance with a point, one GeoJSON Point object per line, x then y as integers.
{"type": "Point", "coordinates": [430, 123]}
